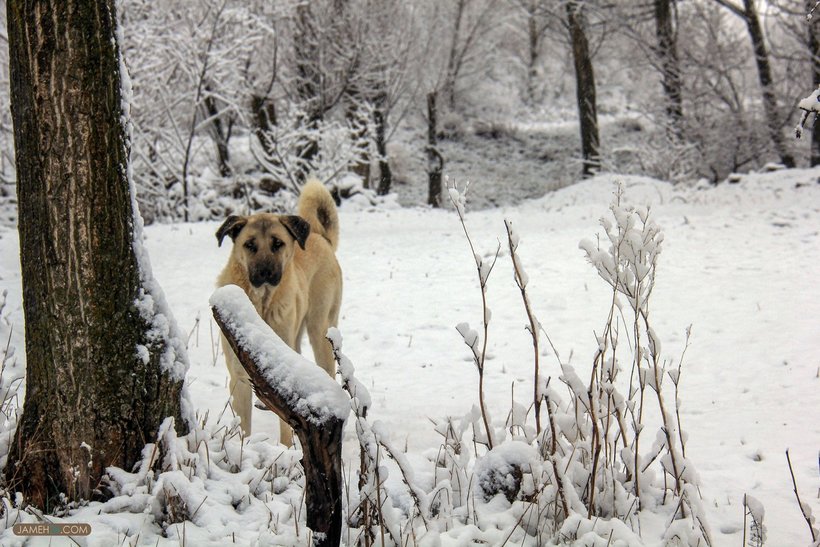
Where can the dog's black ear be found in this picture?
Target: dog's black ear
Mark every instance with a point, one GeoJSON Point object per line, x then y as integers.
{"type": "Point", "coordinates": [231, 227]}
{"type": "Point", "coordinates": [298, 227]}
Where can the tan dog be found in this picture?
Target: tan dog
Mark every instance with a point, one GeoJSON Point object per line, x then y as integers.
{"type": "Point", "coordinates": [287, 266]}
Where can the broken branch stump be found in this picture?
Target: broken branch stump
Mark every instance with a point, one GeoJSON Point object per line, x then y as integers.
{"type": "Point", "coordinates": [303, 395]}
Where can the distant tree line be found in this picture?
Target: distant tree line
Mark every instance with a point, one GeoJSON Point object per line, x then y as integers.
{"type": "Point", "coordinates": [323, 86]}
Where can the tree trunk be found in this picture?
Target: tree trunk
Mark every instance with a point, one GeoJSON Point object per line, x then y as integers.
{"type": "Point", "coordinates": [219, 133]}
{"type": "Point", "coordinates": [584, 89]}
{"type": "Point", "coordinates": [764, 73]}
{"type": "Point", "coordinates": [264, 120]}
{"type": "Point", "coordinates": [670, 66]}
{"type": "Point", "coordinates": [435, 163]}
{"type": "Point", "coordinates": [357, 119]}
{"type": "Point", "coordinates": [98, 381]}
{"type": "Point", "coordinates": [385, 174]}
{"type": "Point", "coordinates": [308, 86]}
{"type": "Point", "coordinates": [814, 51]}
{"type": "Point", "coordinates": [453, 66]}
{"type": "Point", "coordinates": [532, 50]}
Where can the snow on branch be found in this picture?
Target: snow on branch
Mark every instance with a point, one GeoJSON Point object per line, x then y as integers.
{"type": "Point", "coordinates": [807, 105]}
{"type": "Point", "coordinates": [293, 380]}
{"type": "Point", "coordinates": [303, 395]}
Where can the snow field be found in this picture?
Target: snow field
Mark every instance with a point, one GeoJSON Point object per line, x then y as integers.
{"type": "Point", "coordinates": [739, 263]}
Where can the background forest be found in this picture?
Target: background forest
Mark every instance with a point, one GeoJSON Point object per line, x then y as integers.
{"type": "Point", "coordinates": [233, 101]}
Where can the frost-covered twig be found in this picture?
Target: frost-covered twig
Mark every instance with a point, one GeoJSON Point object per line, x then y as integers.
{"type": "Point", "coordinates": [557, 471]}
{"type": "Point", "coordinates": [470, 336]}
{"type": "Point", "coordinates": [371, 476]}
{"type": "Point", "coordinates": [420, 499]}
{"type": "Point", "coordinates": [534, 328]}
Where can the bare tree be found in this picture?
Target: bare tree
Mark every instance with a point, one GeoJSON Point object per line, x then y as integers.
{"type": "Point", "coordinates": [798, 46]}
{"type": "Point", "coordinates": [470, 23]}
{"type": "Point", "coordinates": [192, 62]}
{"type": "Point", "coordinates": [104, 363]}
{"type": "Point", "coordinates": [584, 87]}
{"type": "Point", "coordinates": [721, 120]}
{"type": "Point", "coordinates": [749, 14]}
{"type": "Point", "coordinates": [538, 22]}
{"type": "Point", "coordinates": [667, 50]}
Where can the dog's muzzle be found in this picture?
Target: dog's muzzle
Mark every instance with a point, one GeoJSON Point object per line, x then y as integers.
{"type": "Point", "coordinates": [265, 275]}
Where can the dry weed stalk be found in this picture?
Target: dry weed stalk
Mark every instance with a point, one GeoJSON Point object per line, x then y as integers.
{"type": "Point", "coordinates": [805, 510]}
{"type": "Point", "coordinates": [470, 336]}
{"type": "Point", "coordinates": [534, 327]}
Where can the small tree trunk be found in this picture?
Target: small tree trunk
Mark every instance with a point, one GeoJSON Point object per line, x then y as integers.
{"type": "Point", "coordinates": [321, 444]}
{"type": "Point", "coordinates": [670, 66]}
{"type": "Point", "coordinates": [584, 89]}
{"type": "Point", "coordinates": [532, 50]}
{"type": "Point", "coordinates": [219, 134]}
{"type": "Point", "coordinates": [264, 120]}
{"type": "Point", "coordinates": [385, 174]}
{"type": "Point", "coordinates": [453, 67]}
{"type": "Point", "coordinates": [99, 378]}
{"type": "Point", "coordinates": [435, 163]}
{"type": "Point", "coordinates": [357, 119]}
{"type": "Point", "coordinates": [308, 85]}
{"type": "Point", "coordinates": [764, 73]}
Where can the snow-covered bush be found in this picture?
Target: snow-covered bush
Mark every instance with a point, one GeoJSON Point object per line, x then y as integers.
{"type": "Point", "coordinates": [284, 151]}
{"type": "Point", "coordinates": [10, 381]}
{"type": "Point", "coordinates": [581, 476]}
{"type": "Point", "coordinates": [211, 483]}
{"type": "Point", "coordinates": [565, 468]}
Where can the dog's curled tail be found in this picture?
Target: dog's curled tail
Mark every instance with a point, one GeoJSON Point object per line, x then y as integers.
{"type": "Point", "coordinates": [316, 205]}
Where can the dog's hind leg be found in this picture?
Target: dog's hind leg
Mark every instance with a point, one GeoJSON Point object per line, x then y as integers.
{"type": "Point", "coordinates": [317, 324]}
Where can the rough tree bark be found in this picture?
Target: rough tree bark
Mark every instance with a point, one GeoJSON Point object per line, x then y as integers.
{"type": "Point", "coordinates": [670, 66]}
{"type": "Point", "coordinates": [98, 381]}
{"type": "Point", "coordinates": [321, 445]}
{"type": "Point", "coordinates": [584, 89]}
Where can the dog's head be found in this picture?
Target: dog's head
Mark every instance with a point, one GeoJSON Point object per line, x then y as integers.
{"type": "Point", "coordinates": [264, 243]}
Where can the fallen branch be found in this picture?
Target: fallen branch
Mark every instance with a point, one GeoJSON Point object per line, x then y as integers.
{"type": "Point", "coordinates": [303, 395]}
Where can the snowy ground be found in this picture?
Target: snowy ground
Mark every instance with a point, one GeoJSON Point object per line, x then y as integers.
{"type": "Point", "coordinates": [740, 263]}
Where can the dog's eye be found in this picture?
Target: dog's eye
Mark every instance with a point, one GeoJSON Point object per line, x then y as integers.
{"type": "Point", "coordinates": [276, 244]}
{"type": "Point", "coordinates": [251, 246]}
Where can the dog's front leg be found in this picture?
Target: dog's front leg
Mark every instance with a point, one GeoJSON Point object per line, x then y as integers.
{"type": "Point", "coordinates": [240, 389]}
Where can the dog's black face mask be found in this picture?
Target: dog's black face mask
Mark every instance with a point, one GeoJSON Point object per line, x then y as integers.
{"type": "Point", "coordinates": [264, 272]}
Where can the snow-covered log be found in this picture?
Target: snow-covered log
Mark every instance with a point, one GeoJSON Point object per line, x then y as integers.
{"type": "Point", "coordinates": [303, 395]}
